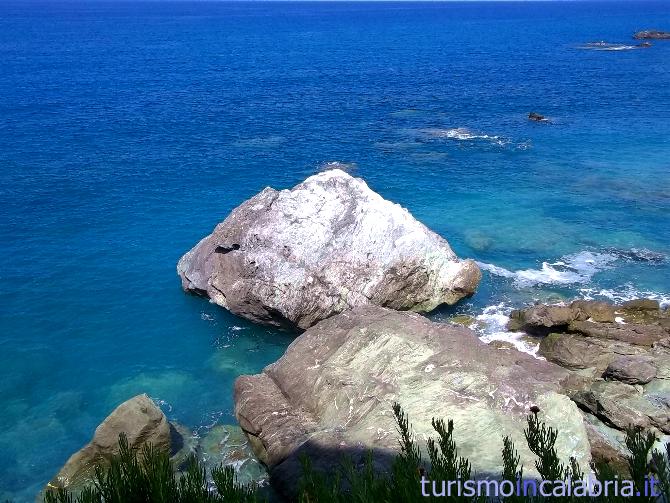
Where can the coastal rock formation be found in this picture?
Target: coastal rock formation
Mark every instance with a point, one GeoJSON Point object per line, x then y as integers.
{"type": "Point", "coordinates": [331, 394]}
{"type": "Point", "coordinates": [537, 117]}
{"type": "Point", "coordinates": [652, 34]}
{"type": "Point", "coordinates": [621, 354]}
{"type": "Point", "coordinates": [294, 257]}
{"type": "Point", "coordinates": [142, 422]}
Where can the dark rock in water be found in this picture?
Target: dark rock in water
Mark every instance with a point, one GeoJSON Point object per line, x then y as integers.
{"type": "Point", "coordinates": [639, 255]}
{"type": "Point", "coordinates": [652, 34]}
{"type": "Point", "coordinates": [644, 45]}
{"type": "Point", "coordinates": [142, 422]}
{"type": "Point", "coordinates": [331, 394]}
{"type": "Point", "coordinates": [537, 117]}
{"type": "Point", "coordinates": [631, 370]}
{"type": "Point", "coordinates": [293, 257]}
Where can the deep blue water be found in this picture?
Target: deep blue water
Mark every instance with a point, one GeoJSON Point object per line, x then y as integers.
{"type": "Point", "coordinates": [128, 130]}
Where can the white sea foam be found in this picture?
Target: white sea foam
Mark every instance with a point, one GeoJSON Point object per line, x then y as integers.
{"type": "Point", "coordinates": [570, 269]}
{"type": "Point", "coordinates": [624, 293]}
{"type": "Point", "coordinates": [492, 326]}
{"type": "Point", "coordinates": [607, 46]}
{"type": "Point", "coordinates": [462, 134]}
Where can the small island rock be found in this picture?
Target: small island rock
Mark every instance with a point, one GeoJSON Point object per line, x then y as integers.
{"type": "Point", "coordinates": [293, 257]}
{"type": "Point", "coordinates": [537, 117]}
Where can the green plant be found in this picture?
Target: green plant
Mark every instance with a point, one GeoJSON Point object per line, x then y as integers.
{"type": "Point", "coordinates": [148, 476]}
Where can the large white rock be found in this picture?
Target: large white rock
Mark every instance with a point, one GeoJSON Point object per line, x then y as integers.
{"type": "Point", "coordinates": [294, 257]}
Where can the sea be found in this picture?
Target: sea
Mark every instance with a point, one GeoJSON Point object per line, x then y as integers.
{"type": "Point", "coordinates": [129, 129]}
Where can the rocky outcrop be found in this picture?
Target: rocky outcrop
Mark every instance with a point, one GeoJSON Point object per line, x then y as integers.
{"type": "Point", "coordinates": [652, 34]}
{"type": "Point", "coordinates": [537, 117]}
{"type": "Point", "coordinates": [542, 319]}
{"type": "Point", "coordinates": [294, 257]}
{"type": "Point", "coordinates": [142, 422]}
{"type": "Point", "coordinates": [331, 394]}
{"type": "Point", "coordinates": [621, 354]}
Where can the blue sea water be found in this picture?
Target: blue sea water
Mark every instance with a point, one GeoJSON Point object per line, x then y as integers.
{"type": "Point", "coordinates": [129, 129]}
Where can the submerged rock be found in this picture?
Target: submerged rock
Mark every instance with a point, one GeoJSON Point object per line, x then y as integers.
{"type": "Point", "coordinates": [331, 395]}
{"type": "Point", "coordinates": [139, 418]}
{"type": "Point", "coordinates": [294, 257]}
{"type": "Point", "coordinates": [652, 34]}
{"type": "Point", "coordinates": [228, 445]}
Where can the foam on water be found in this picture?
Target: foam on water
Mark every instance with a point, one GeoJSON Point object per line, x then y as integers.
{"type": "Point", "coordinates": [607, 46]}
{"type": "Point", "coordinates": [492, 326]}
{"type": "Point", "coordinates": [624, 293]}
{"type": "Point", "coordinates": [459, 133]}
{"type": "Point", "coordinates": [570, 269]}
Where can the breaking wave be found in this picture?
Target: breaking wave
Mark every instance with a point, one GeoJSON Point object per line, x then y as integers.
{"type": "Point", "coordinates": [462, 134]}
{"type": "Point", "coordinates": [492, 326]}
{"type": "Point", "coordinates": [608, 46]}
{"type": "Point", "coordinates": [571, 269]}
{"type": "Point", "coordinates": [623, 294]}
{"type": "Point", "coordinates": [577, 268]}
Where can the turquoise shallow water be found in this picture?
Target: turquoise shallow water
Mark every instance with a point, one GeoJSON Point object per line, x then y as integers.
{"type": "Point", "coordinates": [128, 130]}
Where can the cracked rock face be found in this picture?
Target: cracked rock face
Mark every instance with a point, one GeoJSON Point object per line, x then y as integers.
{"type": "Point", "coordinates": [621, 353]}
{"type": "Point", "coordinates": [294, 257]}
{"type": "Point", "coordinates": [331, 394]}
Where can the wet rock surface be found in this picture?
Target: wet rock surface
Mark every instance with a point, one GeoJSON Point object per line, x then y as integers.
{"type": "Point", "coordinates": [293, 257]}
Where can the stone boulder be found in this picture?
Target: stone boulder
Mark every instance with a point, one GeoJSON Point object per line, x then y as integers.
{"type": "Point", "coordinates": [293, 257]}
{"type": "Point", "coordinates": [631, 370]}
{"type": "Point", "coordinates": [575, 352]}
{"type": "Point", "coordinates": [542, 319]}
{"type": "Point", "coordinates": [139, 418]}
{"type": "Point", "coordinates": [331, 394]}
